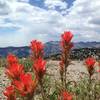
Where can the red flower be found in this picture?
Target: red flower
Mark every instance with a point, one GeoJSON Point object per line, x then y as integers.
{"type": "Point", "coordinates": [90, 62]}
{"type": "Point", "coordinates": [12, 59]}
{"type": "Point", "coordinates": [25, 85]}
{"type": "Point", "coordinates": [37, 48]}
{"type": "Point", "coordinates": [66, 41]}
{"type": "Point", "coordinates": [39, 67]}
{"type": "Point", "coordinates": [66, 37]}
{"type": "Point", "coordinates": [10, 93]}
{"type": "Point", "coordinates": [65, 96]}
{"type": "Point", "coordinates": [14, 71]}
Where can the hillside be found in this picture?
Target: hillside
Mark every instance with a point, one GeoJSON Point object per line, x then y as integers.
{"type": "Point", "coordinates": [51, 48]}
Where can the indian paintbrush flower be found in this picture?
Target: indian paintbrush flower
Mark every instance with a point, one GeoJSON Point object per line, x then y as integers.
{"type": "Point", "coordinates": [90, 62]}
{"type": "Point", "coordinates": [66, 46]}
{"type": "Point", "coordinates": [13, 71]}
{"type": "Point", "coordinates": [64, 95]}
{"type": "Point", "coordinates": [37, 49]}
{"type": "Point", "coordinates": [26, 85]}
{"type": "Point", "coordinates": [67, 37]}
{"type": "Point", "coordinates": [12, 59]}
{"type": "Point", "coordinates": [39, 67]}
{"type": "Point", "coordinates": [10, 93]}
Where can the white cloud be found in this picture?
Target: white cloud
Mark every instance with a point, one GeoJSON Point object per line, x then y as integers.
{"type": "Point", "coordinates": [52, 4]}
{"type": "Point", "coordinates": [32, 22]}
{"type": "Point", "coordinates": [83, 18]}
{"type": "Point", "coordinates": [24, 1]}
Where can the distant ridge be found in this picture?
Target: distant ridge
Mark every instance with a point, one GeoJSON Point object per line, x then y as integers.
{"type": "Point", "coordinates": [51, 48]}
{"type": "Point", "coordinates": [87, 45]}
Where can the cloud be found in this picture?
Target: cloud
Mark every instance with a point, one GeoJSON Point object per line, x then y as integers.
{"type": "Point", "coordinates": [31, 22]}
{"type": "Point", "coordinates": [4, 8]}
{"type": "Point", "coordinates": [83, 18]}
{"type": "Point", "coordinates": [52, 4]}
{"type": "Point", "coordinates": [24, 1]}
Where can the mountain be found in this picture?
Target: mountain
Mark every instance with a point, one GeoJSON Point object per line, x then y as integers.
{"type": "Point", "coordinates": [51, 48]}
{"type": "Point", "coordinates": [79, 45]}
{"type": "Point", "coordinates": [18, 51]}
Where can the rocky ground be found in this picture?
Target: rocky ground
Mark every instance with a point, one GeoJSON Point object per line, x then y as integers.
{"type": "Point", "coordinates": [4, 81]}
{"type": "Point", "coordinates": [76, 71]}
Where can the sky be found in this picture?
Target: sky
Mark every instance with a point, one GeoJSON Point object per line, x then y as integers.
{"type": "Point", "coordinates": [21, 21]}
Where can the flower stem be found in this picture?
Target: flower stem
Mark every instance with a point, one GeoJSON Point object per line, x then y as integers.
{"type": "Point", "coordinates": [65, 75]}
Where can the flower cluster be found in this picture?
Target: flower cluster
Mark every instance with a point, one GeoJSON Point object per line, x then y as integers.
{"type": "Point", "coordinates": [39, 64]}
{"type": "Point", "coordinates": [66, 38]}
{"type": "Point", "coordinates": [22, 83]}
{"type": "Point", "coordinates": [90, 62]}
{"type": "Point", "coordinates": [26, 85]}
{"type": "Point", "coordinates": [66, 45]}
{"type": "Point", "coordinates": [15, 72]}
{"type": "Point", "coordinates": [10, 93]}
{"type": "Point", "coordinates": [37, 49]}
{"type": "Point", "coordinates": [39, 68]}
{"type": "Point", "coordinates": [64, 95]}
{"type": "Point", "coordinates": [12, 59]}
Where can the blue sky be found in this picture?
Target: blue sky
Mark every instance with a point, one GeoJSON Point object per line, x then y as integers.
{"type": "Point", "coordinates": [24, 20]}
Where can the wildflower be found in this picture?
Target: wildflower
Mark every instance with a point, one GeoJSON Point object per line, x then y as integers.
{"type": "Point", "coordinates": [25, 85]}
{"type": "Point", "coordinates": [37, 48]}
{"type": "Point", "coordinates": [10, 93]}
{"type": "Point", "coordinates": [39, 67]}
{"type": "Point", "coordinates": [39, 64]}
{"type": "Point", "coordinates": [12, 59]}
{"type": "Point", "coordinates": [66, 45]}
{"type": "Point", "coordinates": [90, 62]}
{"type": "Point", "coordinates": [66, 38]}
{"type": "Point", "coordinates": [65, 96]}
{"type": "Point", "coordinates": [14, 71]}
